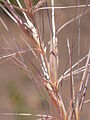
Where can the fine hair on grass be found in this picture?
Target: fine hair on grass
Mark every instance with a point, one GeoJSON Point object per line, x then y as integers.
{"type": "Point", "coordinates": [54, 57]}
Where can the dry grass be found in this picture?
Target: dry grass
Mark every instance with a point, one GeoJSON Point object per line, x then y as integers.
{"type": "Point", "coordinates": [45, 68]}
